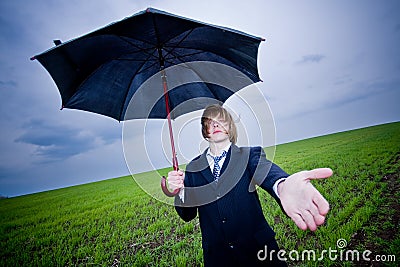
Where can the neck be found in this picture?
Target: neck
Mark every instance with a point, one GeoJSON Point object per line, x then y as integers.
{"type": "Point", "coordinates": [216, 148]}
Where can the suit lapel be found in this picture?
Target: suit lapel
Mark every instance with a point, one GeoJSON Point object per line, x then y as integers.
{"type": "Point", "coordinates": [227, 159]}
{"type": "Point", "coordinates": [233, 167]}
{"type": "Point", "coordinates": [206, 173]}
{"type": "Point", "coordinates": [200, 165]}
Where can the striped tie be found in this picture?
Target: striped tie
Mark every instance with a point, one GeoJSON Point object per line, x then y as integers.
{"type": "Point", "coordinates": [217, 168]}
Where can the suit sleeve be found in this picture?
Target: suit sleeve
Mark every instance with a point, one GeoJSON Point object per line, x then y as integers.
{"type": "Point", "coordinates": [265, 173]}
{"type": "Point", "coordinates": [186, 213]}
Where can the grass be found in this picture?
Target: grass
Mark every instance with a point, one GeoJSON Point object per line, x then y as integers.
{"type": "Point", "coordinates": [116, 223]}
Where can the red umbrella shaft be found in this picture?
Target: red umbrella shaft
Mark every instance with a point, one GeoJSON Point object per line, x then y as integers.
{"type": "Point", "coordinates": [171, 134]}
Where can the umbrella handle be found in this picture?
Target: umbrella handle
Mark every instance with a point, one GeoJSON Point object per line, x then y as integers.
{"type": "Point", "coordinates": [165, 189]}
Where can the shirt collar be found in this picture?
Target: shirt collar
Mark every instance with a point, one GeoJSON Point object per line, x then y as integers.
{"type": "Point", "coordinates": [225, 149]}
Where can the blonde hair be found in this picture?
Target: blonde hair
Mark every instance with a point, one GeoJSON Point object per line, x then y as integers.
{"type": "Point", "coordinates": [215, 111]}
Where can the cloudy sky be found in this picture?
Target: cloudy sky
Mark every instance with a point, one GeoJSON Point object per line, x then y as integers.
{"type": "Point", "coordinates": [326, 66]}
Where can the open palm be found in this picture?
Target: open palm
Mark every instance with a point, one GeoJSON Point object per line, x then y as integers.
{"type": "Point", "coordinates": [301, 200]}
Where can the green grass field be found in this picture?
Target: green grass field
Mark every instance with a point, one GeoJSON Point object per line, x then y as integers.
{"type": "Point", "coordinates": [115, 223]}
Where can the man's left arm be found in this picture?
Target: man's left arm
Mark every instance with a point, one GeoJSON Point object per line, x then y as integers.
{"type": "Point", "coordinates": [265, 173]}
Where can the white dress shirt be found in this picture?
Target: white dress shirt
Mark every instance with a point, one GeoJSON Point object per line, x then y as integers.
{"type": "Point", "coordinates": [211, 156]}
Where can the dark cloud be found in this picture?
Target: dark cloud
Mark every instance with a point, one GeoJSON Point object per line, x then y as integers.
{"type": "Point", "coordinates": [346, 79]}
{"type": "Point", "coordinates": [57, 142]}
{"type": "Point", "coordinates": [8, 84]}
{"type": "Point", "coordinates": [313, 58]}
{"type": "Point", "coordinates": [355, 92]}
{"type": "Point", "coordinates": [9, 31]}
{"type": "Point", "coordinates": [14, 33]}
{"type": "Point", "coordinates": [366, 89]}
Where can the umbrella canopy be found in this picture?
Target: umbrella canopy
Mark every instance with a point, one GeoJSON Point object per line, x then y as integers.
{"type": "Point", "coordinates": [104, 71]}
{"type": "Point", "coordinates": [101, 71]}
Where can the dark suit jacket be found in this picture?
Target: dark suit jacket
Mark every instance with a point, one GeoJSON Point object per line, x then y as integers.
{"type": "Point", "coordinates": [231, 219]}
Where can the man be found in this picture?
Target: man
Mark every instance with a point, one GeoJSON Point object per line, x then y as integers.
{"type": "Point", "coordinates": [219, 185]}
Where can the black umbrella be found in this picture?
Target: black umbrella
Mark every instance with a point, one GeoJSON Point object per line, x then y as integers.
{"type": "Point", "coordinates": [103, 71]}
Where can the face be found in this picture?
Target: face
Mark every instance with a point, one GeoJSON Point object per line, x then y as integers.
{"type": "Point", "coordinates": [218, 130]}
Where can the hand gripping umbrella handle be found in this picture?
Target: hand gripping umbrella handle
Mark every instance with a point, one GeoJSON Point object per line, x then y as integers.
{"type": "Point", "coordinates": [164, 187]}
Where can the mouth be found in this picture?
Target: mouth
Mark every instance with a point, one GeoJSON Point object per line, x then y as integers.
{"type": "Point", "coordinates": [217, 131]}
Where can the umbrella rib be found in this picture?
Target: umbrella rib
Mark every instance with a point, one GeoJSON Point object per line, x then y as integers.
{"type": "Point", "coordinates": [130, 83]}
{"type": "Point", "coordinates": [126, 39]}
{"type": "Point", "coordinates": [183, 56]}
{"type": "Point", "coordinates": [167, 60]}
{"type": "Point", "coordinates": [149, 67]}
{"type": "Point", "coordinates": [178, 57]}
{"type": "Point", "coordinates": [201, 78]}
{"type": "Point", "coordinates": [162, 46]}
{"type": "Point", "coordinates": [203, 51]}
{"type": "Point", "coordinates": [177, 44]}
{"type": "Point", "coordinates": [130, 59]}
{"type": "Point", "coordinates": [142, 70]}
{"type": "Point", "coordinates": [144, 50]}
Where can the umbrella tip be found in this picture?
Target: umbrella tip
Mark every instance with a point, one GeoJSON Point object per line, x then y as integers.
{"type": "Point", "coordinates": [57, 42]}
{"type": "Point", "coordinates": [33, 58]}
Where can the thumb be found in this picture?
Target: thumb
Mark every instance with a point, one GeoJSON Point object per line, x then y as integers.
{"type": "Point", "coordinates": [318, 173]}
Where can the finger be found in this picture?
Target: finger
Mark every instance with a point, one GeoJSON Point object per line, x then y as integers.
{"type": "Point", "coordinates": [313, 209]}
{"type": "Point", "coordinates": [176, 175]}
{"type": "Point", "coordinates": [321, 203]}
{"type": "Point", "coordinates": [174, 185]}
{"type": "Point", "coordinates": [319, 220]}
{"type": "Point", "coordinates": [175, 179]}
{"type": "Point", "coordinates": [173, 173]}
{"type": "Point", "coordinates": [298, 220]}
{"type": "Point", "coordinates": [309, 220]}
{"type": "Point", "coordinates": [318, 173]}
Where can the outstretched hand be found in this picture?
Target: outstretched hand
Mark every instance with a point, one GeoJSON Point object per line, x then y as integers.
{"type": "Point", "coordinates": [301, 201]}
